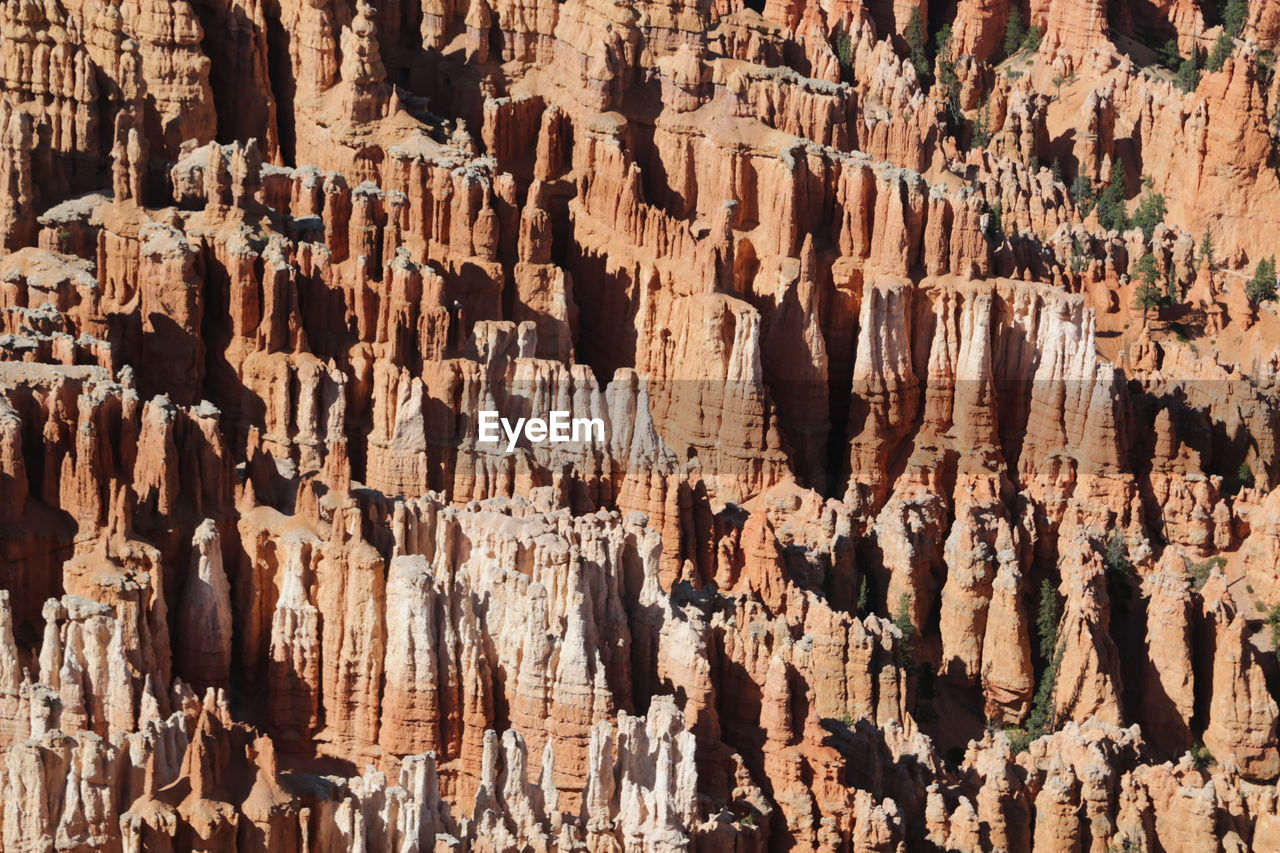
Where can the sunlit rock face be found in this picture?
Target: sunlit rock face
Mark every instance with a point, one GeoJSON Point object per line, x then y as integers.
{"type": "Point", "coordinates": [918, 362]}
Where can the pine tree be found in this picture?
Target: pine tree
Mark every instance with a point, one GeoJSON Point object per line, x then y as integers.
{"type": "Point", "coordinates": [1244, 475]}
{"type": "Point", "coordinates": [1222, 49]}
{"type": "Point", "coordinates": [916, 37]}
{"type": "Point", "coordinates": [1078, 260]}
{"type": "Point", "coordinates": [1014, 32]}
{"type": "Point", "coordinates": [1273, 622]}
{"type": "Point", "coordinates": [844, 48]}
{"type": "Point", "coordinates": [1262, 286]}
{"type": "Point", "coordinates": [1031, 43]}
{"type": "Point", "coordinates": [1111, 212]}
{"type": "Point", "coordinates": [947, 76]}
{"type": "Point", "coordinates": [1172, 289]}
{"type": "Point", "coordinates": [1148, 296]}
{"type": "Point", "coordinates": [907, 627]}
{"type": "Point", "coordinates": [1206, 248]}
{"type": "Point", "coordinates": [1234, 16]}
{"type": "Point", "coordinates": [1082, 193]}
{"type": "Point", "coordinates": [1116, 555]}
{"type": "Point", "coordinates": [1047, 620]}
{"type": "Point", "coordinates": [1266, 68]}
{"type": "Point", "coordinates": [1150, 213]}
{"type": "Point", "coordinates": [993, 227]}
{"type": "Point", "coordinates": [1040, 718]}
{"type": "Point", "coordinates": [1145, 269]}
{"type": "Point", "coordinates": [1187, 77]}
{"type": "Point", "coordinates": [981, 135]}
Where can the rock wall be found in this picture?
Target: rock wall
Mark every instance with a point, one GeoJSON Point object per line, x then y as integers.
{"type": "Point", "coordinates": [931, 511]}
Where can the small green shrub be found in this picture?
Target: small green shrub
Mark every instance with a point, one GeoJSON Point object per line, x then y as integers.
{"type": "Point", "coordinates": [1201, 757]}
{"type": "Point", "coordinates": [1273, 624]}
{"type": "Point", "coordinates": [1200, 571]}
{"type": "Point", "coordinates": [1116, 556]}
{"type": "Point", "coordinates": [1020, 739]}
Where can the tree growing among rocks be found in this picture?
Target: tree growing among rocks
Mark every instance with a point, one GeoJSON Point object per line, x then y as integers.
{"type": "Point", "coordinates": [1262, 287]}
{"type": "Point", "coordinates": [1111, 208]}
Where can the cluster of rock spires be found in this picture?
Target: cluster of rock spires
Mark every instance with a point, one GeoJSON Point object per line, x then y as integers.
{"type": "Point", "coordinates": [909, 531]}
